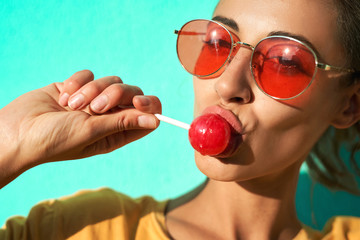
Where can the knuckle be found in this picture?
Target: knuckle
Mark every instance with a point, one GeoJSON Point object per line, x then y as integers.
{"type": "Point", "coordinates": [92, 88]}
{"type": "Point", "coordinates": [88, 73]}
{"type": "Point", "coordinates": [79, 79]}
{"type": "Point", "coordinates": [124, 124]}
{"type": "Point", "coordinates": [138, 90]}
{"type": "Point", "coordinates": [115, 79]}
{"type": "Point", "coordinates": [74, 83]}
{"type": "Point", "coordinates": [121, 124]}
{"type": "Point", "coordinates": [116, 89]}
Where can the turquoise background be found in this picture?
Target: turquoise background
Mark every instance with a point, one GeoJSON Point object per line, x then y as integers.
{"type": "Point", "coordinates": [47, 41]}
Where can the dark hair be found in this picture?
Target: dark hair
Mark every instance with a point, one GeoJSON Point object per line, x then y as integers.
{"type": "Point", "coordinates": [348, 25]}
{"type": "Point", "coordinates": [332, 161]}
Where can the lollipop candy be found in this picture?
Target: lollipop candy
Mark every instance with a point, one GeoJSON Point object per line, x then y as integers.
{"type": "Point", "coordinates": [209, 134]}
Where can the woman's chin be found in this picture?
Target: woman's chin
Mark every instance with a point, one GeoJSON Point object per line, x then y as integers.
{"type": "Point", "coordinates": [221, 169]}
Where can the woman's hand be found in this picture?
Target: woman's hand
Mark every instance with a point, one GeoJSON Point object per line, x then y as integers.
{"type": "Point", "coordinates": [75, 119]}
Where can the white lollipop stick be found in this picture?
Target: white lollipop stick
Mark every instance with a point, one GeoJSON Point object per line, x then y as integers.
{"type": "Point", "coordinates": [172, 121]}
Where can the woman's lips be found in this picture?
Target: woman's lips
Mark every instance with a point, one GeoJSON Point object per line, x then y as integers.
{"type": "Point", "coordinates": [237, 130]}
{"type": "Point", "coordinates": [227, 115]}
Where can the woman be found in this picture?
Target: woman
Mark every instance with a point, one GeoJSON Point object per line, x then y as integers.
{"type": "Point", "coordinates": [278, 108]}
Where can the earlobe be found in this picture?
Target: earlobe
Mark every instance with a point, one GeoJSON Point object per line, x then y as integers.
{"type": "Point", "coordinates": [351, 112]}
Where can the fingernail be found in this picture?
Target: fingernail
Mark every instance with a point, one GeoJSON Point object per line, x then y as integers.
{"type": "Point", "coordinates": [63, 100]}
{"type": "Point", "coordinates": [145, 101]}
{"type": "Point", "coordinates": [99, 103]}
{"type": "Point", "coordinates": [76, 101]}
{"type": "Point", "coordinates": [147, 121]}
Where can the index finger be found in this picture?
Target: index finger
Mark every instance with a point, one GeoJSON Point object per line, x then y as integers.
{"type": "Point", "coordinates": [147, 104]}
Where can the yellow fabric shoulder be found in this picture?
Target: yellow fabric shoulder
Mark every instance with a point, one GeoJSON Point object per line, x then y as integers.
{"type": "Point", "coordinates": [338, 228]}
{"type": "Point", "coordinates": [107, 214]}
{"type": "Point", "coordinates": [102, 214]}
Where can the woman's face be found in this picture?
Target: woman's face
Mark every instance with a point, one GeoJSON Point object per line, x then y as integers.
{"type": "Point", "coordinates": [276, 134]}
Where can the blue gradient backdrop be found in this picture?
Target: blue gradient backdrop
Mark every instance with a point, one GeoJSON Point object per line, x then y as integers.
{"type": "Point", "coordinates": [47, 41]}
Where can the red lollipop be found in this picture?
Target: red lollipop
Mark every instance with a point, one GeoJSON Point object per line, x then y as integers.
{"type": "Point", "coordinates": [210, 134]}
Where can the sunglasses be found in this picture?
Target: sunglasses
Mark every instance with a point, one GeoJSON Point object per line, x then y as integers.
{"type": "Point", "coordinates": [282, 67]}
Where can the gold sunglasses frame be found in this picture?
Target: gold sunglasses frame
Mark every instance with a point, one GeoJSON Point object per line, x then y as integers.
{"type": "Point", "coordinates": [318, 65]}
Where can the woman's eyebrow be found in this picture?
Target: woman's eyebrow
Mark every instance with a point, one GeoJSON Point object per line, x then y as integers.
{"type": "Point", "coordinates": [231, 23]}
{"type": "Point", "coordinates": [227, 21]}
{"type": "Point", "coordinates": [298, 37]}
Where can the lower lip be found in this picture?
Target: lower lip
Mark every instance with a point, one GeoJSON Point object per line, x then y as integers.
{"type": "Point", "coordinates": [236, 135]}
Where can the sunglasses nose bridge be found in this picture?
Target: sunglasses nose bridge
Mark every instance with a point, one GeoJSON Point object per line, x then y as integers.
{"type": "Point", "coordinates": [244, 44]}
{"type": "Point", "coordinates": [237, 46]}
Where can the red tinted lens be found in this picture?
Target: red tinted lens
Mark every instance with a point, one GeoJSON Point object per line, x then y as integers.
{"type": "Point", "coordinates": [282, 68]}
{"type": "Point", "coordinates": [203, 47]}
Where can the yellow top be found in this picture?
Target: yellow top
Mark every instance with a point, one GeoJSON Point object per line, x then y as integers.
{"type": "Point", "coordinates": [106, 214]}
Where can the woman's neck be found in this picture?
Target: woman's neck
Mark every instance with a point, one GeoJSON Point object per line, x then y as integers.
{"type": "Point", "coordinates": [263, 208]}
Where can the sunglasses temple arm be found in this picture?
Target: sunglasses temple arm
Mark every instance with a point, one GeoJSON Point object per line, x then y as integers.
{"type": "Point", "coordinates": [188, 33]}
{"type": "Point", "coordinates": [326, 67]}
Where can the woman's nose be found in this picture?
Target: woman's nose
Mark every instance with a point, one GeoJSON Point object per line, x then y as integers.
{"type": "Point", "coordinates": [234, 83]}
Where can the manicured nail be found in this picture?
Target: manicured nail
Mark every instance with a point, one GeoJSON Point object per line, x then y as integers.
{"type": "Point", "coordinates": [145, 101]}
{"type": "Point", "coordinates": [63, 100]}
{"type": "Point", "coordinates": [99, 103]}
{"type": "Point", "coordinates": [77, 101]}
{"type": "Point", "coordinates": [147, 121]}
